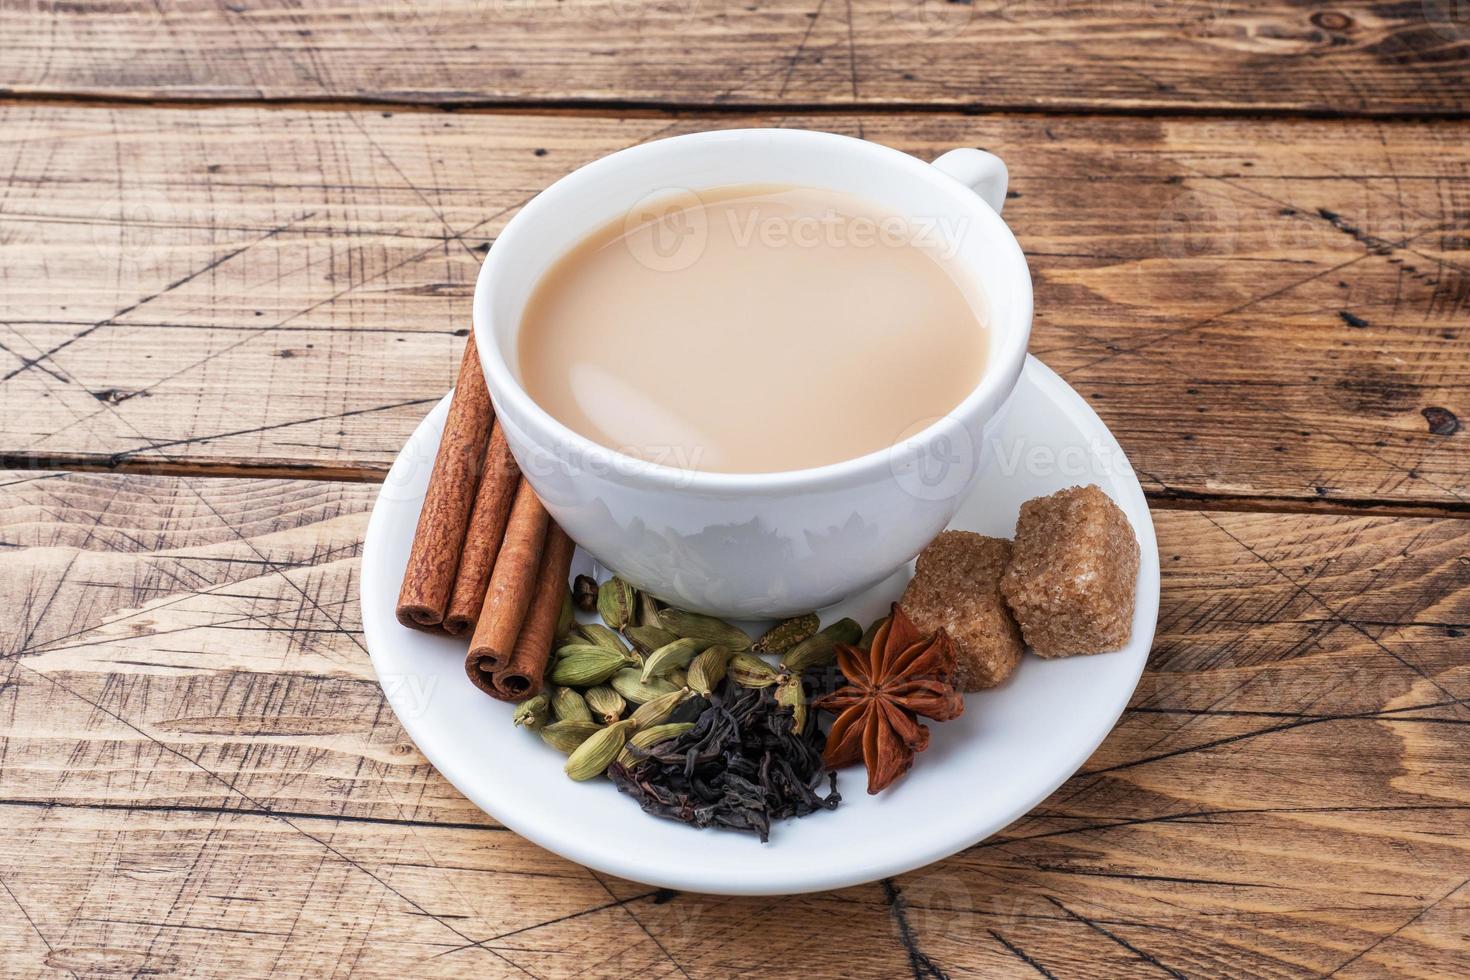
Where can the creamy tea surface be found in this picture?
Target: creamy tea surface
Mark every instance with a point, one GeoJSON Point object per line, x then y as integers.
{"type": "Point", "coordinates": [753, 329]}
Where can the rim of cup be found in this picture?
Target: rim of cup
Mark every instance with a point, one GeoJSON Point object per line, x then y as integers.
{"type": "Point", "coordinates": [1002, 370]}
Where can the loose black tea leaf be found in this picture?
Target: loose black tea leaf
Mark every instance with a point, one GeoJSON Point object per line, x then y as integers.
{"type": "Point", "coordinates": [740, 767]}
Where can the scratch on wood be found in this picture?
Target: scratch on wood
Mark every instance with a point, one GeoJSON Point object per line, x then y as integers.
{"type": "Point", "coordinates": [920, 964]}
{"type": "Point", "coordinates": [1141, 954]}
{"type": "Point", "coordinates": [1021, 955]}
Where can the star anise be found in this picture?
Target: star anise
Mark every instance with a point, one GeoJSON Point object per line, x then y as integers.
{"type": "Point", "coordinates": [900, 677]}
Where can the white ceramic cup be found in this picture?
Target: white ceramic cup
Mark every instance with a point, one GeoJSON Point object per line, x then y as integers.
{"type": "Point", "coordinates": [767, 544]}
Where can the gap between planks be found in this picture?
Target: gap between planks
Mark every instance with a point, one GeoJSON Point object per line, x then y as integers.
{"type": "Point", "coordinates": [653, 108]}
{"type": "Point", "coordinates": [1166, 499]}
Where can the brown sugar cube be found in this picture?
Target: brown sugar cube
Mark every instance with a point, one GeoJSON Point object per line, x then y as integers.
{"type": "Point", "coordinates": [1072, 575]}
{"type": "Point", "coordinates": [956, 588]}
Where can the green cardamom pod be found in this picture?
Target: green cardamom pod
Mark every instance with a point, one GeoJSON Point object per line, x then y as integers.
{"type": "Point", "coordinates": [787, 634]}
{"type": "Point", "coordinates": [568, 705]}
{"type": "Point", "coordinates": [646, 639]}
{"type": "Point", "coordinates": [791, 694]}
{"type": "Point", "coordinates": [748, 670]}
{"type": "Point", "coordinates": [605, 703]}
{"type": "Point", "coordinates": [648, 738]}
{"type": "Point", "coordinates": [708, 628]}
{"type": "Point", "coordinates": [648, 611]}
{"type": "Point", "coordinates": [616, 601]}
{"type": "Point", "coordinates": [565, 736]}
{"type": "Point", "coordinates": [592, 757]}
{"type": "Point", "coordinates": [600, 636]}
{"type": "Point", "coordinates": [533, 712]}
{"type": "Point", "coordinates": [708, 669]}
{"type": "Point", "coordinates": [657, 711]}
{"type": "Point", "coordinates": [671, 657]}
{"type": "Point", "coordinates": [821, 649]}
{"type": "Point", "coordinates": [629, 683]}
{"type": "Point", "coordinates": [586, 666]}
{"type": "Point", "coordinates": [867, 640]}
{"type": "Point", "coordinates": [568, 616]}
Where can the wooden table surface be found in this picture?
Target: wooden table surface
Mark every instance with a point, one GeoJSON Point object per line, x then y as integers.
{"type": "Point", "coordinates": [238, 242]}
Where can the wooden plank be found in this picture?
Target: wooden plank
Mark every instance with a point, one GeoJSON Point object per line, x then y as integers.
{"type": "Point", "coordinates": [1127, 54]}
{"type": "Point", "coordinates": [250, 895]}
{"type": "Point", "coordinates": [1257, 309]}
{"type": "Point", "coordinates": [193, 745]}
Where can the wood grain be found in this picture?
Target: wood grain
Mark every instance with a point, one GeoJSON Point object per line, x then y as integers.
{"type": "Point", "coordinates": [199, 771]}
{"type": "Point", "coordinates": [197, 763]}
{"type": "Point", "coordinates": [1263, 310]}
{"type": "Point", "coordinates": [1287, 55]}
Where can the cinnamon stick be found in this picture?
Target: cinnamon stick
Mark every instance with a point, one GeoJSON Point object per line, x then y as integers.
{"type": "Point", "coordinates": [499, 482]}
{"type": "Point", "coordinates": [439, 537]}
{"type": "Point", "coordinates": [525, 672]}
{"type": "Point", "coordinates": [512, 586]}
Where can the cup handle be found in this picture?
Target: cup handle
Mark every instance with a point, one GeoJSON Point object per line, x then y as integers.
{"type": "Point", "coordinates": [984, 173]}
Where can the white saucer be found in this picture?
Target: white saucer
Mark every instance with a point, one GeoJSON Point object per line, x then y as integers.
{"type": "Point", "coordinates": [1012, 747]}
